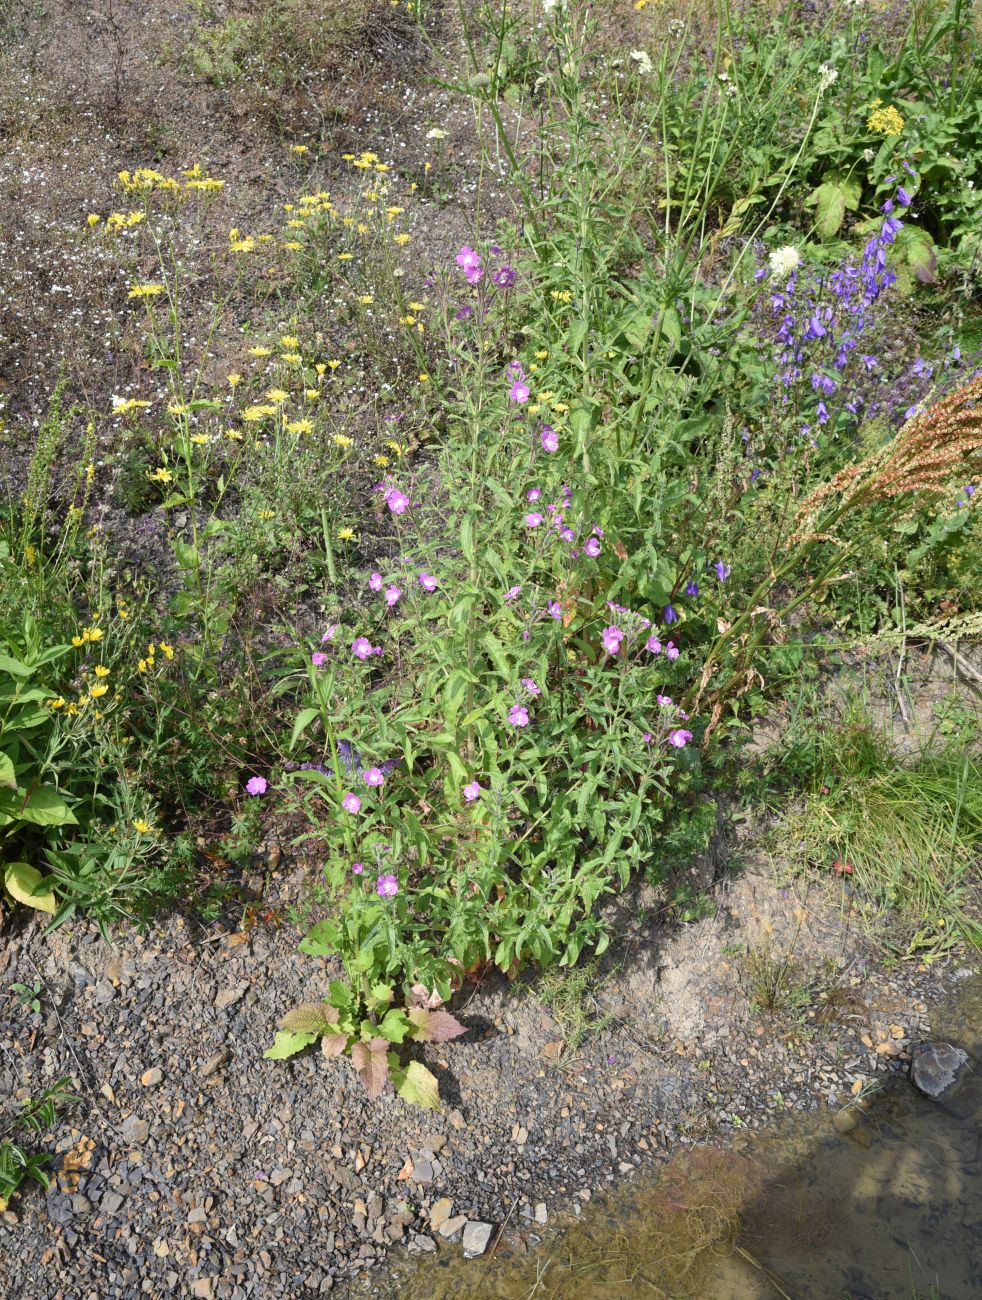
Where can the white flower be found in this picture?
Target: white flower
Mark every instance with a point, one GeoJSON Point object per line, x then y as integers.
{"type": "Point", "coordinates": [828, 75]}
{"type": "Point", "coordinates": [549, 5]}
{"type": "Point", "coordinates": [784, 260]}
{"type": "Point", "coordinates": [643, 60]}
{"type": "Point", "coordinates": [435, 133]}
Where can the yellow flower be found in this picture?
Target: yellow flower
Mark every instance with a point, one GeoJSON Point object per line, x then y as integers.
{"type": "Point", "coordinates": [293, 245]}
{"type": "Point", "coordinates": [98, 691]}
{"type": "Point", "coordinates": [289, 341]}
{"type": "Point", "coordinates": [161, 475]}
{"type": "Point", "coordinates": [884, 121]}
{"type": "Point", "coordinates": [278, 395]}
{"type": "Point", "coordinates": [382, 460]}
{"type": "Point", "coordinates": [299, 148]}
{"type": "Point", "coordinates": [542, 355]}
{"type": "Point", "coordinates": [93, 218]}
{"type": "Point", "coordinates": [145, 290]}
{"type": "Point", "coordinates": [401, 240]}
{"type": "Point", "coordinates": [299, 426]}
{"type": "Point", "coordinates": [417, 306]}
{"type": "Point", "coordinates": [142, 665]}
{"type": "Point", "coordinates": [121, 406]}
{"type": "Point", "coordinates": [234, 379]}
{"type": "Point", "coordinates": [340, 440]}
{"type": "Point", "coordinates": [142, 826]}
{"type": "Point", "coordinates": [58, 703]}
{"type": "Point", "coordinates": [345, 534]}
{"type": "Point", "coordinates": [345, 257]}
{"type": "Point", "coordinates": [291, 358]}
{"type": "Point", "coordinates": [334, 364]}
{"type": "Point", "coordinates": [78, 641]}
{"type": "Point", "coordinates": [267, 514]}
{"type": "Point", "coordinates": [177, 408]}
{"type": "Point", "coordinates": [199, 438]}
{"type": "Point", "coordinates": [312, 394]}
{"type": "Point", "coordinates": [92, 633]}
{"type": "Point", "coordinates": [259, 351]}
{"type": "Point", "coordinates": [166, 650]}
{"type": "Point", "coordinates": [101, 670]}
{"type": "Point", "coordinates": [424, 378]}
{"type": "Point", "coordinates": [246, 245]}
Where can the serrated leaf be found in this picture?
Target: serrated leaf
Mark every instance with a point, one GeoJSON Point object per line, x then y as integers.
{"type": "Point", "coordinates": [435, 1026]}
{"type": "Point", "coordinates": [310, 1018]}
{"type": "Point", "coordinates": [394, 1026]}
{"type": "Point", "coordinates": [380, 995]}
{"type": "Point", "coordinates": [28, 886]}
{"type": "Point", "coordinates": [420, 1087]}
{"type": "Point", "coordinates": [286, 1043]}
{"type": "Point", "coordinates": [333, 1044]}
{"type": "Point", "coordinates": [371, 1061]}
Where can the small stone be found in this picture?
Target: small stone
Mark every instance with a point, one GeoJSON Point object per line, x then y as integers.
{"type": "Point", "coordinates": [441, 1212]}
{"type": "Point", "coordinates": [418, 1242]}
{"type": "Point", "coordinates": [215, 1062]}
{"type": "Point", "coordinates": [228, 997]}
{"type": "Point", "coordinates": [451, 1227]}
{"type": "Point", "coordinates": [422, 1172]}
{"type": "Point", "coordinates": [844, 1121]}
{"type": "Point", "coordinates": [204, 1288]}
{"type": "Point", "coordinates": [198, 1215]}
{"type": "Point", "coordinates": [457, 1120]}
{"type": "Point", "coordinates": [433, 1143]}
{"type": "Point", "coordinates": [135, 1130]}
{"type": "Point", "coordinates": [477, 1237]}
{"type": "Point", "coordinates": [541, 1213]}
{"type": "Point", "coordinates": [151, 1078]}
{"type": "Point", "coordinates": [936, 1066]}
{"type": "Point", "coordinates": [110, 1203]}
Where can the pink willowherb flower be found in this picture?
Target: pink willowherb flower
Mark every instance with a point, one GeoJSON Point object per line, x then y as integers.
{"type": "Point", "coordinates": [672, 651]}
{"type": "Point", "coordinates": [549, 438]}
{"type": "Point", "coordinates": [679, 738]}
{"type": "Point", "coordinates": [530, 686]}
{"type": "Point", "coordinates": [375, 582]}
{"type": "Point", "coordinates": [358, 868]}
{"type": "Point", "coordinates": [392, 595]}
{"type": "Point", "coordinates": [518, 715]}
{"type": "Point", "coordinates": [361, 648]}
{"type": "Point", "coordinates": [387, 886]}
{"type": "Point", "coordinates": [351, 803]}
{"type": "Point", "coordinates": [257, 785]}
{"type": "Point", "coordinates": [428, 582]}
{"type": "Point", "coordinates": [519, 392]}
{"type": "Point", "coordinates": [472, 791]}
{"type": "Point", "coordinates": [533, 519]}
{"type": "Point", "coordinates": [397, 501]}
{"type": "Point", "coordinates": [373, 776]}
{"type": "Point", "coordinates": [554, 609]}
{"type": "Point", "coordinates": [533, 494]}
{"type": "Point", "coordinates": [592, 547]}
{"type": "Point", "coordinates": [330, 634]}
{"type": "Point", "coordinates": [612, 638]}
{"type": "Point", "coordinates": [653, 645]}
{"type": "Point", "coordinates": [513, 593]}
{"type": "Point", "coordinates": [318, 659]}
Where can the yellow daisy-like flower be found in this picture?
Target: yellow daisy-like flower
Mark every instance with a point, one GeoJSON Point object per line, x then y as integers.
{"type": "Point", "coordinates": [312, 394]}
{"type": "Point", "coordinates": [424, 378]}
{"type": "Point", "coordinates": [93, 219]}
{"type": "Point", "coordinates": [346, 534]}
{"type": "Point", "coordinates": [341, 440]}
{"type": "Point", "coordinates": [57, 703]}
{"type": "Point", "coordinates": [542, 355]}
{"type": "Point", "coordinates": [401, 240]}
{"type": "Point", "coordinates": [345, 257]}
{"type": "Point", "coordinates": [234, 379]}
{"type": "Point", "coordinates": [145, 291]}
{"type": "Point", "coordinates": [142, 826]}
{"type": "Point", "coordinates": [98, 691]}
{"type": "Point", "coordinates": [299, 148]}
{"type": "Point", "coordinates": [161, 475]}
{"type": "Point", "coordinates": [300, 426]}
{"type": "Point", "coordinates": [260, 351]}
{"type": "Point", "coordinates": [101, 670]}
{"type": "Point", "coordinates": [166, 650]}
{"type": "Point", "coordinates": [199, 439]}
{"type": "Point", "coordinates": [290, 341]}
{"type": "Point", "coordinates": [266, 514]}
{"type": "Point", "coordinates": [278, 395]}
{"type": "Point", "coordinates": [334, 363]}
{"type": "Point", "coordinates": [382, 460]}
{"type": "Point", "coordinates": [291, 358]}
{"type": "Point", "coordinates": [293, 245]}
{"type": "Point", "coordinates": [92, 634]}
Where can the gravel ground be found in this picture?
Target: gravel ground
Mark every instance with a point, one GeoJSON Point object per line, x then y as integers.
{"type": "Point", "coordinates": [193, 1167]}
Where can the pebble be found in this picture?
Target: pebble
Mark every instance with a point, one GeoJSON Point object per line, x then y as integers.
{"type": "Point", "coordinates": [476, 1239]}
{"type": "Point", "coordinates": [135, 1130]}
{"type": "Point", "coordinates": [151, 1078]}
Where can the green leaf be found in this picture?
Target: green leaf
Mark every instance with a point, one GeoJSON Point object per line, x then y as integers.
{"type": "Point", "coordinates": [8, 777]}
{"type": "Point", "coordinates": [304, 718]}
{"type": "Point", "coordinates": [395, 1026]}
{"type": "Point", "coordinates": [28, 886]}
{"type": "Point", "coordinates": [420, 1087]}
{"type": "Point", "coordinates": [831, 199]}
{"type": "Point", "coordinates": [14, 667]}
{"type": "Point", "coordinates": [310, 1018]}
{"type": "Point", "coordinates": [321, 942]}
{"type": "Point", "coordinates": [46, 807]}
{"type": "Point", "coordinates": [287, 1043]}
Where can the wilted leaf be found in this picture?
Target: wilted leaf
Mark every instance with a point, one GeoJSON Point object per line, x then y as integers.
{"type": "Point", "coordinates": [333, 1044]}
{"type": "Point", "coordinates": [287, 1043]}
{"type": "Point", "coordinates": [372, 1064]}
{"type": "Point", "coordinates": [420, 1087]}
{"type": "Point", "coordinates": [435, 1026]}
{"type": "Point", "coordinates": [23, 880]}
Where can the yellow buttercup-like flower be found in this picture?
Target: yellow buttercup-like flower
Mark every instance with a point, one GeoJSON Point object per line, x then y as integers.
{"type": "Point", "coordinates": [98, 691]}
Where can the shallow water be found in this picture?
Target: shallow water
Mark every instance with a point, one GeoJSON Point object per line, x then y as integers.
{"type": "Point", "coordinates": [891, 1210]}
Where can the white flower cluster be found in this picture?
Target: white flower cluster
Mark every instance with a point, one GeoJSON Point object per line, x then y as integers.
{"type": "Point", "coordinates": [643, 60]}
{"type": "Point", "coordinates": [784, 260]}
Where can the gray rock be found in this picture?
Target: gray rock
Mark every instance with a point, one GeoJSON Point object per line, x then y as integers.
{"type": "Point", "coordinates": [477, 1238]}
{"type": "Point", "coordinates": [110, 1203]}
{"type": "Point", "coordinates": [418, 1242]}
{"type": "Point", "coordinates": [422, 1171]}
{"type": "Point", "coordinates": [135, 1130]}
{"type": "Point", "coordinates": [936, 1066]}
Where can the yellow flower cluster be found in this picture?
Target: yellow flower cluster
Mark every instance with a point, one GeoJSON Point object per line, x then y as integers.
{"type": "Point", "coordinates": [145, 291]}
{"type": "Point", "coordinates": [884, 121]}
{"type": "Point", "coordinates": [117, 221]}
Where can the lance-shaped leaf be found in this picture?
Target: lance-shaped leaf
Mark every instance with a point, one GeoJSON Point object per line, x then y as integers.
{"type": "Point", "coordinates": [434, 1026]}
{"type": "Point", "coordinates": [372, 1064]}
{"type": "Point", "coordinates": [419, 1087]}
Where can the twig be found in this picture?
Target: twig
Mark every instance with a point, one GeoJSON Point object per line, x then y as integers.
{"type": "Point", "coordinates": [771, 1277]}
{"type": "Point", "coordinates": [961, 663]}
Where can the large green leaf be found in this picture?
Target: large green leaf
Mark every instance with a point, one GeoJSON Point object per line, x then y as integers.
{"type": "Point", "coordinates": [830, 201]}
{"type": "Point", "coordinates": [286, 1043]}
{"type": "Point", "coordinates": [8, 778]}
{"type": "Point", "coordinates": [28, 886]}
{"type": "Point", "coordinates": [45, 807]}
{"type": "Point", "coordinates": [420, 1087]}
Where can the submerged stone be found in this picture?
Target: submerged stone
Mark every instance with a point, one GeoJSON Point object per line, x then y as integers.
{"type": "Point", "coordinates": [936, 1067]}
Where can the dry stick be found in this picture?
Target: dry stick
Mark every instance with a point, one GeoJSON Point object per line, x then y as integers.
{"type": "Point", "coordinates": [961, 663]}
{"type": "Point", "coordinates": [771, 1277]}
{"type": "Point", "coordinates": [902, 656]}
